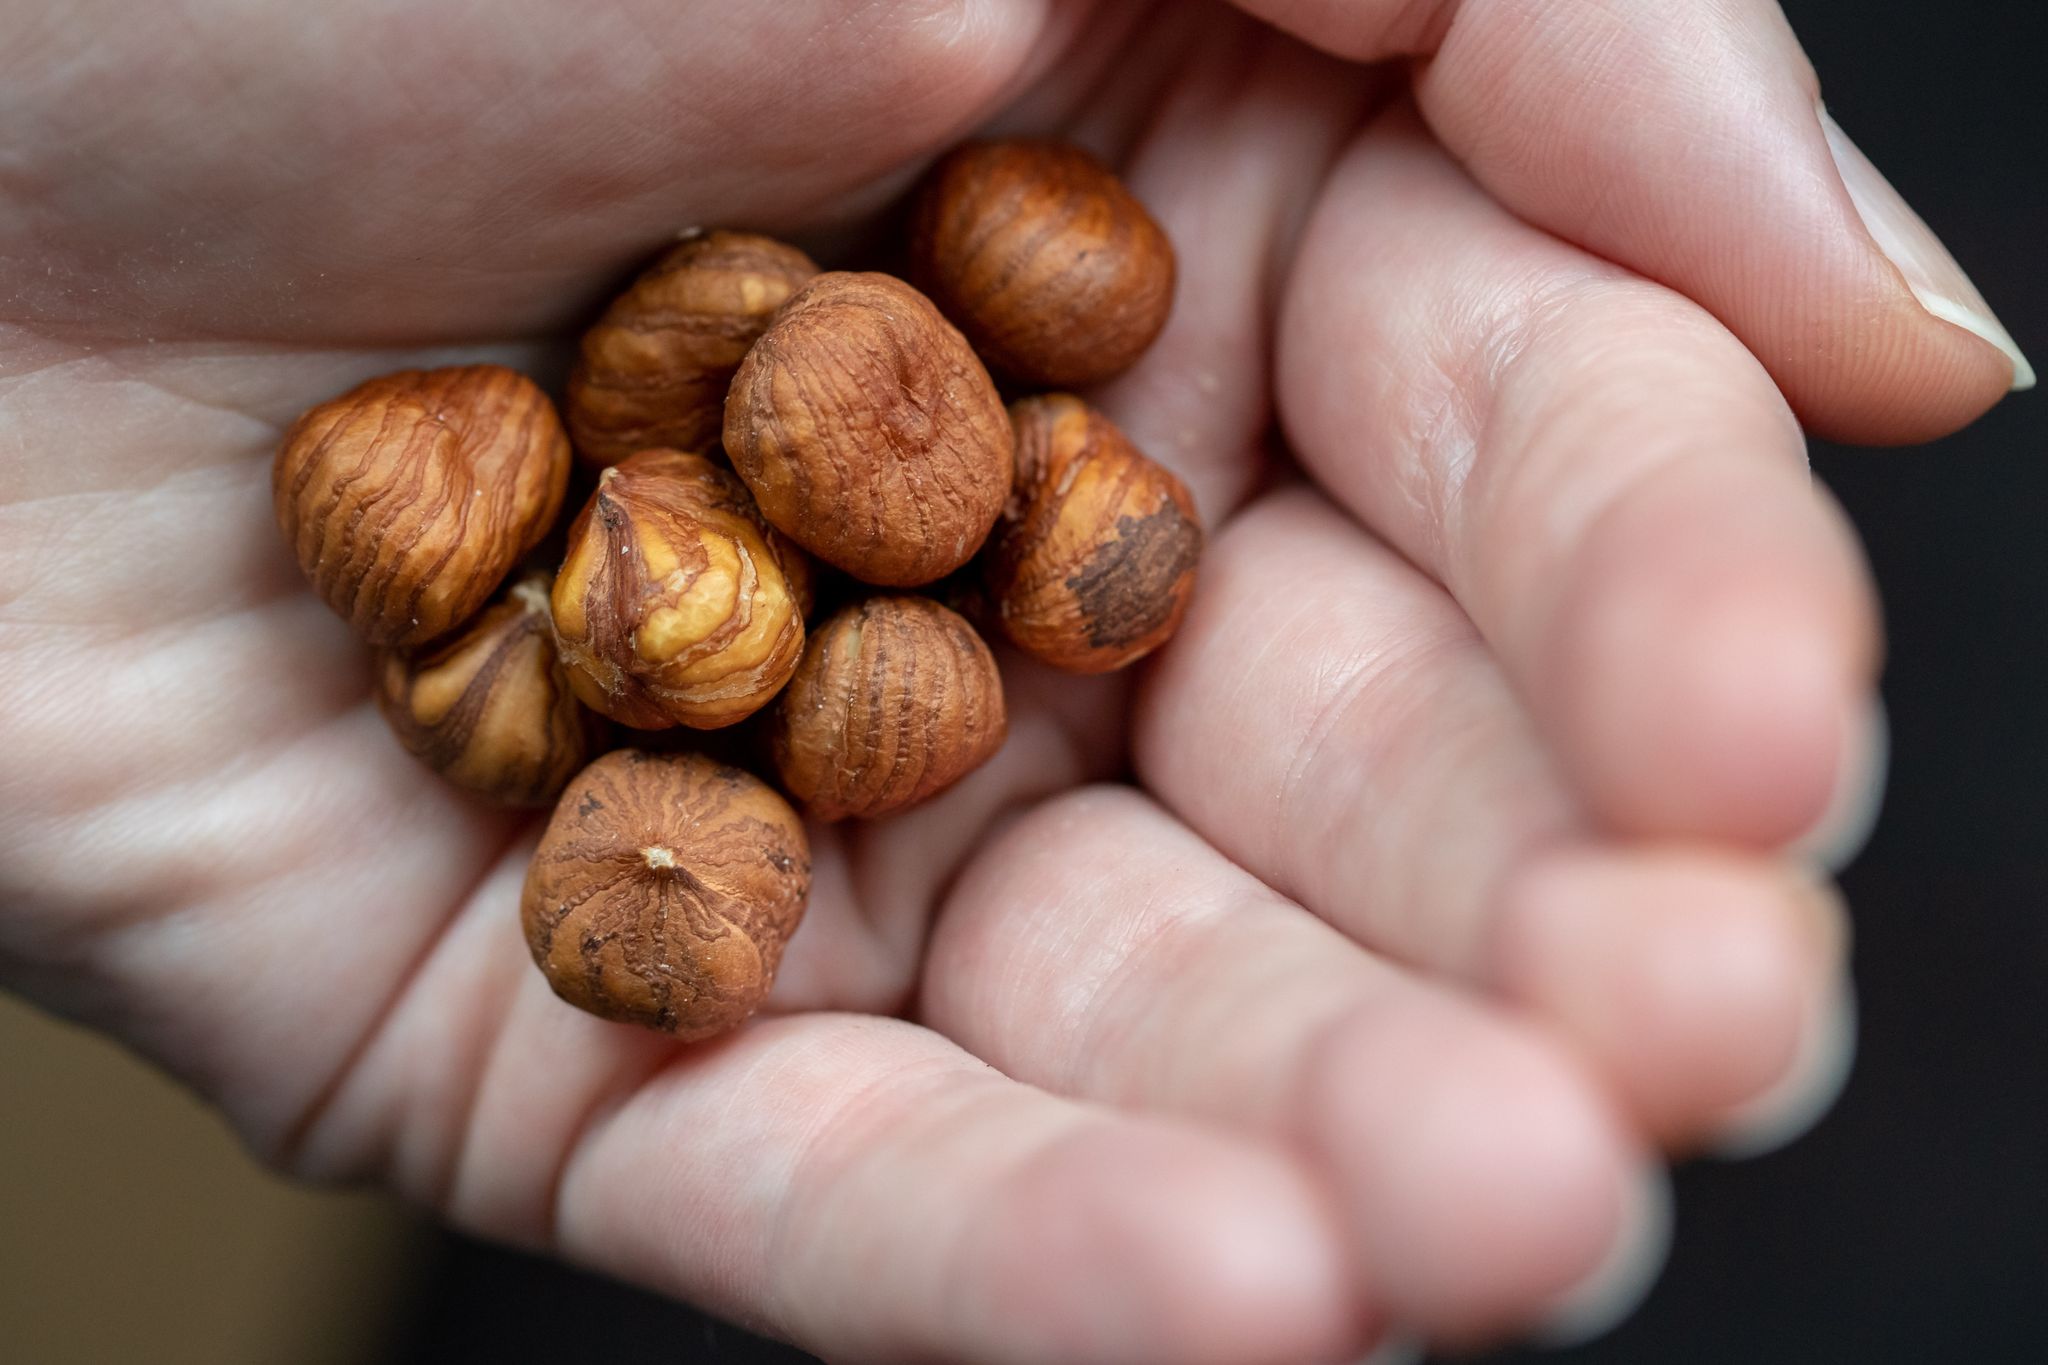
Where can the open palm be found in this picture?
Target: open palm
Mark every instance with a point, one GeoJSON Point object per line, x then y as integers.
{"type": "Point", "coordinates": [1447, 896]}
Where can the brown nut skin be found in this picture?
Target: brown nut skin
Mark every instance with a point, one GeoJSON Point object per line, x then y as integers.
{"type": "Point", "coordinates": [654, 370]}
{"type": "Point", "coordinates": [676, 604]}
{"type": "Point", "coordinates": [1051, 267]}
{"type": "Point", "coordinates": [1094, 560]}
{"type": "Point", "coordinates": [869, 432]}
{"type": "Point", "coordinates": [410, 497]}
{"type": "Point", "coordinates": [664, 890]}
{"type": "Point", "coordinates": [966, 591]}
{"type": "Point", "coordinates": [896, 699]}
{"type": "Point", "coordinates": [489, 706]}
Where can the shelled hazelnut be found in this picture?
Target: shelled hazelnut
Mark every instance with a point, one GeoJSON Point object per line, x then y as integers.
{"type": "Point", "coordinates": [489, 706]}
{"type": "Point", "coordinates": [676, 604]}
{"type": "Point", "coordinates": [1051, 267]}
{"type": "Point", "coordinates": [1093, 562]}
{"type": "Point", "coordinates": [896, 699]}
{"type": "Point", "coordinates": [868, 431]}
{"type": "Point", "coordinates": [410, 497]}
{"type": "Point", "coordinates": [664, 890]}
{"type": "Point", "coordinates": [654, 370]}
{"type": "Point", "coordinates": [862, 427]}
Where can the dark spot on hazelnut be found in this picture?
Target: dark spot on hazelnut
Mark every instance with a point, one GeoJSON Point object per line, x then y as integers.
{"type": "Point", "coordinates": [1124, 587]}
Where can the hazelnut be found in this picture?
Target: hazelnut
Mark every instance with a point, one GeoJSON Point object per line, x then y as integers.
{"type": "Point", "coordinates": [410, 497]}
{"type": "Point", "coordinates": [664, 890]}
{"type": "Point", "coordinates": [896, 699]}
{"type": "Point", "coordinates": [676, 603]}
{"type": "Point", "coordinates": [489, 706]}
{"type": "Point", "coordinates": [654, 370]}
{"type": "Point", "coordinates": [1051, 267]}
{"type": "Point", "coordinates": [869, 432]}
{"type": "Point", "coordinates": [966, 591]}
{"type": "Point", "coordinates": [1094, 560]}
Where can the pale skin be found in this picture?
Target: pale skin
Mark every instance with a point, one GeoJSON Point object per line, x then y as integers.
{"type": "Point", "coordinates": [1450, 896]}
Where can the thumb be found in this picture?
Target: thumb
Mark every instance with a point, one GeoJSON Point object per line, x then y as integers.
{"type": "Point", "coordinates": [1930, 272]}
{"type": "Point", "coordinates": [1686, 140]}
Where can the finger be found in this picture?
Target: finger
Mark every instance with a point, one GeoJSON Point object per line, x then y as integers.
{"type": "Point", "coordinates": [1686, 141]}
{"type": "Point", "coordinates": [900, 1201]}
{"type": "Point", "coordinates": [1386, 778]}
{"type": "Point", "coordinates": [1689, 976]}
{"type": "Point", "coordinates": [1603, 478]}
{"type": "Point", "coordinates": [856, 1185]}
{"type": "Point", "coordinates": [1101, 950]}
{"type": "Point", "coordinates": [1230, 166]}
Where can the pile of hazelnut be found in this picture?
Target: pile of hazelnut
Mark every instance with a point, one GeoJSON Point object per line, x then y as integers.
{"type": "Point", "coordinates": [750, 425]}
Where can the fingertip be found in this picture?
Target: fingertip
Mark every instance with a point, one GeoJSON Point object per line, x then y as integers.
{"type": "Point", "coordinates": [1483, 1175]}
{"type": "Point", "coordinates": [1714, 666]}
{"type": "Point", "coordinates": [1145, 1241]}
{"type": "Point", "coordinates": [1845, 826]}
{"type": "Point", "coordinates": [1930, 355]}
{"type": "Point", "coordinates": [1910, 371]}
{"type": "Point", "coordinates": [1618, 1285]}
{"type": "Point", "coordinates": [1738, 727]}
{"type": "Point", "coordinates": [1688, 977]}
{"type": "Point", "coordinates": [1808, 1090]}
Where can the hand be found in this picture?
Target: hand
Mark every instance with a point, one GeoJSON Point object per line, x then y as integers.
{"type": "Point", "coordinates": [1452, 892]}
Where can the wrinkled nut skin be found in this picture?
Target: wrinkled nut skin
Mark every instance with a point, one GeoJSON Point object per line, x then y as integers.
{"type": "Point", "coordinates": [676, 604]}
{"type": "Point", "coordinates": [1094, 560]}
{"type": "Point", "coordinates": [868, 431]}
{"type": "Point", "coordinates": [489, 706]}
{"type": "Point", "coordinates": [896, 699]}
{"type": "Point", "coordinates": [654, 369]}
{"type": "Point", "coordinates": [664, 890]}
{"type": "Point", "coordinates": [409, 498]}
{"type": "Point", "coordinates": [1051, 267]}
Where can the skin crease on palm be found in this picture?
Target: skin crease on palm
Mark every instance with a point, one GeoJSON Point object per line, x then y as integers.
{"type": "Point", "coordinates": [1448, 897]}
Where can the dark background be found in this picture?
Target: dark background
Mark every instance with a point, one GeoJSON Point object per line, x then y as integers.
{"type": "Point", "coordinates": [1912, 1225]}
